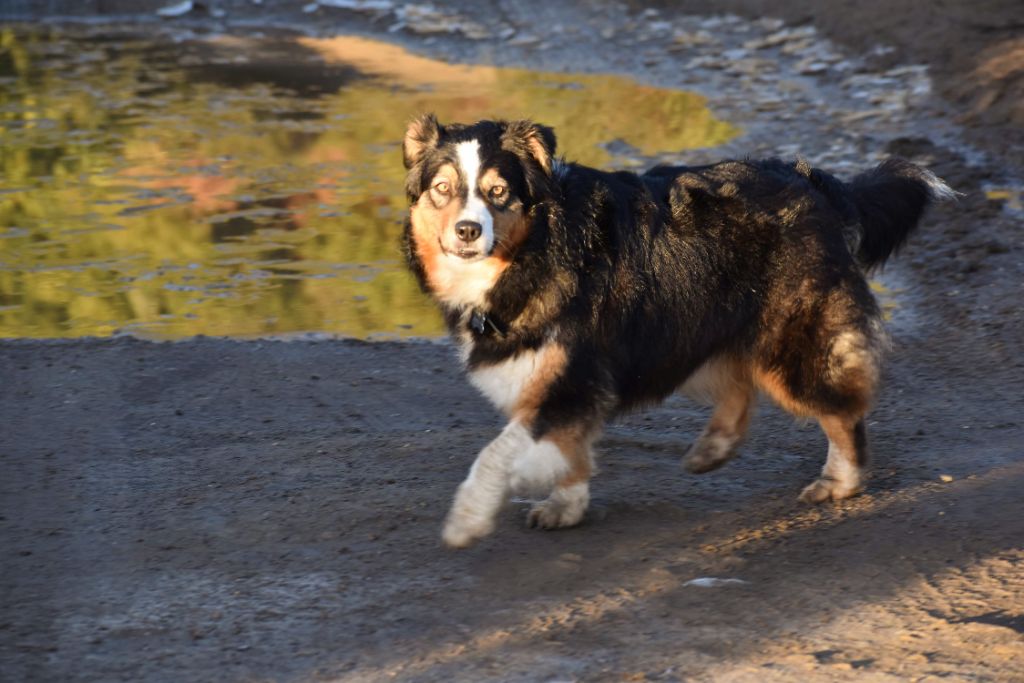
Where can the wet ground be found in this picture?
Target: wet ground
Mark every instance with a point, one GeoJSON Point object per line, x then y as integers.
{"type": "Point", "coordinates": [264, 510]}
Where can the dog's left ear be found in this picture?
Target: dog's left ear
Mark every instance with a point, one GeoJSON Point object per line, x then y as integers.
{"type": "Point", "coordinates": [532, 138]}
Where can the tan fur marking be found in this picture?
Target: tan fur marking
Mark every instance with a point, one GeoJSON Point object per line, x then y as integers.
{"type": "Point", "coordinates": [540, 153]}
{"type": "Point", "coordinates": [771, 384]}
{"type": "Point", "coordinates": [427, 224]}
{"type": "Point", "coordinates": [489, 179]}
{"type": "Point", "coordinates": [856, 383]}
{"type": "Point", "coordinates": [447, 172]}
{"type": "Point", "coordinates": [839, 430]}
{"type": "Point", "coordinates": [726, 382]}
{"type": "Point", "coordinates": [510, 226]}
{"type": "Point", "coordinates": [574, 442]}
{"type": "Point", "coordinates": [853, 365]}
{"type": "Point", "coordinates": [716, 378]}
{"type": "Point", "coordinates": [733, 411]}
{"type": "Point", "coordinates": [550, 366]}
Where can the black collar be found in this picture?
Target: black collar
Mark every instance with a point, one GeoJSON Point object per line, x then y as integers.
{"type": "Point", "coordinates": [485, 324]}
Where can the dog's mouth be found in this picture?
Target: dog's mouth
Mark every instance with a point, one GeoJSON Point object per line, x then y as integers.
{"type": "Point", "coordinates": [464, 253]}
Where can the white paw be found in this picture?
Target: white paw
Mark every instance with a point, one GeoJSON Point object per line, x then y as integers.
{"type": "Point", "coordinates": [545, 515]}
{"type": "Point", "coordinates": [823, 489]}
{"type": "Point", "coordinates": [564, 508]}
{"type": "Point", "coordinates": [462, 529]}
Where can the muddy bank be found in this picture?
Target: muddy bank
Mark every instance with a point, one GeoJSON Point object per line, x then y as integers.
{"type": "Point", "coordinates": [974, 52]}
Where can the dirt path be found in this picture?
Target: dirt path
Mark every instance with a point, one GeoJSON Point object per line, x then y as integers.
{"type": "Point", "coordinates": [245, 511]}
{"type": "Point", "coordinates": [217, 510]}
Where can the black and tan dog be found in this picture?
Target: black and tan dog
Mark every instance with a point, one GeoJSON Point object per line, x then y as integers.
{"type": "Point", "coordinates": [576, 294]}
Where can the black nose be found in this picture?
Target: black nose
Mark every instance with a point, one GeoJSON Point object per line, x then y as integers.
{"type": "Point", "coordinates": [468, 231]}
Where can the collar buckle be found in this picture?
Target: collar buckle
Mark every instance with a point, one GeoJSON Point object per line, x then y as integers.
{"type": "Point", "coordinates": [480, 323]}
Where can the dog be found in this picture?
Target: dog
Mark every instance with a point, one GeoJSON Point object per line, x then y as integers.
{"type": "Point", "coordinates": [575, 295]}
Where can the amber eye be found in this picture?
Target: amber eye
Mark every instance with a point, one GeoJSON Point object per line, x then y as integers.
{"type": "Point", "coordinates": [442, 187]}
{"type": "Point", "coordinates": [498, 191]}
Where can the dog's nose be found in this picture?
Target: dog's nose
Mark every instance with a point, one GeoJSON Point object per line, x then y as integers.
{"type": "Point", "coordinates": [468, 231]}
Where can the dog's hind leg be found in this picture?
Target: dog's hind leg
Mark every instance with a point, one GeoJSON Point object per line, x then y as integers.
{"type": "Point", "coordinates": [734, 396]}
{"type": "Point", "coordinates": [851, 376]}
{"type": "Point", "coordinates": [837, 384]}
{"type": "Point", "coordinates": [844, 471]}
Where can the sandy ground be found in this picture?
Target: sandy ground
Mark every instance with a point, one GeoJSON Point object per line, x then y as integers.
{"type": "Point", "coordinates": [248, 511]}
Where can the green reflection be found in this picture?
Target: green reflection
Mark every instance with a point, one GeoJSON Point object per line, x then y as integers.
{"type": "Point", "coordinates": [240, 187]}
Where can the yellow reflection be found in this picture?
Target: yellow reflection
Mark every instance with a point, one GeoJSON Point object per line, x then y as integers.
{"type": "Point", "coordinates": [242, 187]}
{"type": "Point", "coordinates": [585, 109]}
{"type": "Point", "coordinates": [1012, 197]}
{"type": "Point", "coordinates": [886, 299]}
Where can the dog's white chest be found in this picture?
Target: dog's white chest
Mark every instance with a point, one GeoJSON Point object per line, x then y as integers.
{"type": "Point", "coordinates": [503, 383]}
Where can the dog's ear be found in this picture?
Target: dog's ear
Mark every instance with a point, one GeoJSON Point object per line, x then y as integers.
{"type": "Point", "coordinates": [422, 134]}
{"type": "Point", "coordinates": [532, 138]}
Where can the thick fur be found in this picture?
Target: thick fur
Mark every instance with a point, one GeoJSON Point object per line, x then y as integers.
{"type": "Point", "coordinates": [605, 291]}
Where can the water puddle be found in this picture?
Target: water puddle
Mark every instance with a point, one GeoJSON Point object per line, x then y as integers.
{"type": "Point", "coordinates": [1012, 198]}
{"type": "Point", "coordinates": [224, 186]}
{"type": "Point", "coordinates": [887, 298]}
{"type": "Point", "coordinates": [896, 297]}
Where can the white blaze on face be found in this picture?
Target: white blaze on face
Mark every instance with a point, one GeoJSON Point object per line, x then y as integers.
{"type": "Point", "coordinates": [476, 209]}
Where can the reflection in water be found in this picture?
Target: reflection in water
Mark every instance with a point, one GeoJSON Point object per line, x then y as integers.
{"type": "Point", "coordinates": [240, 187]}
{"type": "Point", "coordinates": [886, 298]}
{"type": "Point", "coordinates": [1011, 197]}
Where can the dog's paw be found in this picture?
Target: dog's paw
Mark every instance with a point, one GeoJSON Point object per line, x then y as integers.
{"type": "Point", "coordinates": [546, 515]}
{"type": "Point", "coordinates": [462, 530]}
{"type": "Point", "coordinates": [824, 489]}
{"type": "Point", "coordinates": [709, 453]}
{"type": "Point", "coordinates": [564, 508]}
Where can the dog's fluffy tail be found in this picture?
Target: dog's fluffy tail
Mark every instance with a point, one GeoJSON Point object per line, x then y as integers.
{"type": "Point", "coordinates": [886, 202]}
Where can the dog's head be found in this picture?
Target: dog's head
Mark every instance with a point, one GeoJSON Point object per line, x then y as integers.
{"type": "Point", "coordinates": [472, 187]}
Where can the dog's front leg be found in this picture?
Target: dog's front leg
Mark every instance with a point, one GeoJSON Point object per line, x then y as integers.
{"type": "Point", "coordinates": [482, 494]}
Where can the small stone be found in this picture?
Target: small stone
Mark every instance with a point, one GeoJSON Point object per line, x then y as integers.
{"type": "Point", "coordinates": [524, 39]}
{"type": "Point", "coordinates": [811, 66]}
{"type": "Point", "coordinates": [796, 47]}
{"type": "Point", "coordinates": [685, 39]}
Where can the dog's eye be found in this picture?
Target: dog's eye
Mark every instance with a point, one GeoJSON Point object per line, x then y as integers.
{"type": "Point", "coordinates": [442, 187]}
{"type": "Point", "coordinates": [498, 191]}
